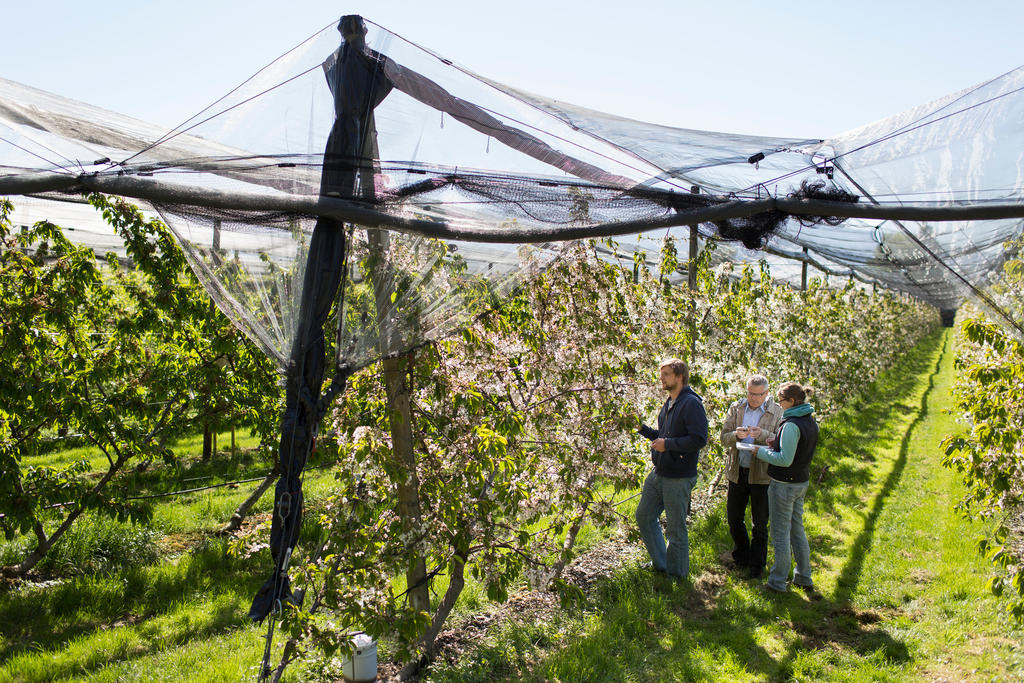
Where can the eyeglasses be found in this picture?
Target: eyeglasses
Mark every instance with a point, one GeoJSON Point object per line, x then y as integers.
{"type": "Point", "coordinates": [756, 393]}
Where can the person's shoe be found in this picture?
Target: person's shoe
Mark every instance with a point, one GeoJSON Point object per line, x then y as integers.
{"type": "Point", "coordinates": [812, 594]}
{"type": "Point", "coordinates": [771, 590]}
{"type": "Point", "coordinates": [756, 572]}
{"type": "Point", "coordinates": [649, 566]}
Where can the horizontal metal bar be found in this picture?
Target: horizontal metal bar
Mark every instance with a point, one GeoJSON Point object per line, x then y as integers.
{"type": "Point", "coordinates": [361, 214]}
{"type": "Point", "coordinates": [34, 183]}
{"type": "Point", "coordinates": [352, 212]}
{"type": "Point", "coordinates": [901, 212]}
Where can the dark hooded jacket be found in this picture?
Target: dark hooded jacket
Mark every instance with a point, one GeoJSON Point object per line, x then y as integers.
{"type": "Point", "coordinates": [684, 427]}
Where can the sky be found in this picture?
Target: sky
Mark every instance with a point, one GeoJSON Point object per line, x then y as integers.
{"type": "Point", "coordinates": [807, 69]}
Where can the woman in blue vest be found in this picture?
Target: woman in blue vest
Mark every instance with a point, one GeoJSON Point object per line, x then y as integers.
{"type": "Point", "coordinates": [789, 457]}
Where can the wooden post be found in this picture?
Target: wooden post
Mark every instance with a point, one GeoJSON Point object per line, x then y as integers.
{"type": "Point", "coordinates": [216, 239]}
{"type": "Point", "coordinates": [397, 376]}
{"type": "Point", "coordinates": [803, 273]}
{"type": "Point", "coordinates": [691, 266]}
{"type": "Point", "coordinates": [207, 442]}
{"type": "Point", "coordinates": [210, 436]}
{"type": "Point", "coordinates": [691, 279]}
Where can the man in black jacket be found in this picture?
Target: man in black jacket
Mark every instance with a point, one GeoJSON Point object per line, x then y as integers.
{"type": "Point", "coordinates": [682, 431]}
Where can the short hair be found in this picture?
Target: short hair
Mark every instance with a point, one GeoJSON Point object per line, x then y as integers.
{"type": "Point", "coordinates": [679, 367]}
{"type": "Point", "coordinates": [758, 380]}
{"type": "Point", "coordinates": [795, 391]}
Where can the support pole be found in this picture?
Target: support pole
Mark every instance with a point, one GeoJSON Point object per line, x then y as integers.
{"type": "Point", "coordinates": [691, 266]}
{"type": "Point", "coordinates": [216, 238]}
{"type": "Point", "coordinates": [803, 273]}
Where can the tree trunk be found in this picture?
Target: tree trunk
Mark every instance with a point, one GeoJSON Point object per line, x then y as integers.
{"type": "Point", "coordinates": [396, 371]}
{"type": "Point", "coordinates": [207, 442]}
{"type": "Point", "coordinates": [567, 546]}
{"type": "Point", "coordinates": [286, 658]}
{"type": "Point", "coordinates": [400, 415]}
{"type": "Point", "coordinates": [243, 510]}
{"type": "Point", "coordinates": [457, 576]}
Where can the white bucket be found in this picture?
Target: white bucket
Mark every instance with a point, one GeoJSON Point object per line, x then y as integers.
{"type": "Point", "coordinates": [363, 665]}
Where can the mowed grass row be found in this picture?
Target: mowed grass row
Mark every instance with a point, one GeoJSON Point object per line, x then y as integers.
{"type": "Point", "coordinates": [904, 589]}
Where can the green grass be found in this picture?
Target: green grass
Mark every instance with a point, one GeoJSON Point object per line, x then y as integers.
{"type": "Point", "coordinates": [162, 601]}
{"type": "Point", "coordinates": [98, 461]}
{"type": "Point", "coordinates": [904, 591]}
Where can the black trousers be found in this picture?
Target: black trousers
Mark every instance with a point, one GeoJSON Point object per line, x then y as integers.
{"type": "Point", "coordinates": [749, 551]}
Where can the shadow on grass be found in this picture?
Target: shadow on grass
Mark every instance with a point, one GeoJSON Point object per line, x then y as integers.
{"type": "Point", "coordinates": [843, 623]}
{"type": "Point", "coordinates": [46, 618]}
{"type": "Point", "coordinates": [652, 631]}
{"type": "Point", "coordinates": [158, 602]}
{"type": "Point", "coordinates": [850, 575]}
{"type": "Point", "coordinates": [849, 438]}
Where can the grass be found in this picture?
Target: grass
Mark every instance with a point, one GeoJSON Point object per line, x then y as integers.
{"type": "Point", "coordinates": [98, 461]}
{"type": "Point", "coordinates": [904, 591]}
{"type": "Point", "coordinates": [162, 601]}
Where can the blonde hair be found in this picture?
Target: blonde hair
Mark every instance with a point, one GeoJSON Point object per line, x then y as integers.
{"type": "Point", "coordinates": [794, 391]}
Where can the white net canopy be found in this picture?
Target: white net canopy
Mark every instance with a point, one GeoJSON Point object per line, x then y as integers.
{"type": "Point", "coordinates": [453, 188]}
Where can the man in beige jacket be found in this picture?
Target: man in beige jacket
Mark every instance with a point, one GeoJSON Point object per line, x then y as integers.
{"type": "Point", "coordinates": [751, 420]}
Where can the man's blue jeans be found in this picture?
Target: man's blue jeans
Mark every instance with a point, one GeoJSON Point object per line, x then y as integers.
{"type": "Point", "coordinates": [786, 517]}
{"type": "Point", "coordinates": [672, 496]}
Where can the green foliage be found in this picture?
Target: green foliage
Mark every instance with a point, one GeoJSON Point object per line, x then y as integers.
{"type": "Point", "coordinates": [990, 455]}
{"type": "Point", "coordinates": [99, 544]}
{"type": "Point", "coordinates": [127, 355]}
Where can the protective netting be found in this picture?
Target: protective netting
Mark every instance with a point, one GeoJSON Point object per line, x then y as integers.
{"type": "Point", "coordinates": [400, 290]}
{"type": "Point", "coordinates": [429, 128]}
{"type": "Point", "coordinates": [454, 148]}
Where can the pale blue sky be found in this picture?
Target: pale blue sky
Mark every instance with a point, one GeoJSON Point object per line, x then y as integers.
{"type": "Point", "coordinates": [805, 69]}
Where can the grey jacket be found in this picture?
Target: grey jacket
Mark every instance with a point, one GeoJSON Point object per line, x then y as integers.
{"type": "Point", "coordinates": [769, 424]}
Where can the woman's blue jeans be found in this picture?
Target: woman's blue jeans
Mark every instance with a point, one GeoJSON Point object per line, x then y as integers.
{"type": "Point", "coordinates": [786, 518]}
{"type": "Point", "coordinates": [672, 496]}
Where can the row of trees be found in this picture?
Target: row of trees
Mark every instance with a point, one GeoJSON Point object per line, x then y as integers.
{"type": "Point", "coordinates": [524, 427]}
{"type": "Point", "coordinates": [126, 356]}
{"type": "Point", "coordinates": [990, 454]}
